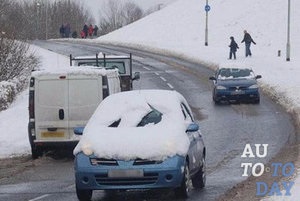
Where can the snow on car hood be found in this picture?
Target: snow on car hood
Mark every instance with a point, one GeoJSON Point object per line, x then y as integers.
{"type": "Point", "coordinates": [153, 141]}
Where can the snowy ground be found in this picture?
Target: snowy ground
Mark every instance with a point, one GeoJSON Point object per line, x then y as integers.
{"type": "Point", "coordinates": [179, 29]}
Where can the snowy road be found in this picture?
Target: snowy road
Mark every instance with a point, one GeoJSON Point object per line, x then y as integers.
{"type": "Point", "coordinates": [226, 130]}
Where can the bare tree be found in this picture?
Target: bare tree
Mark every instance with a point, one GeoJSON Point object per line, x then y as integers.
{"type": "Point", "coordinates": [131, 12]}
{"type": "Point", "coordinates": [15, 60]}
{"type": "Point", "coordinates": [116, 15]}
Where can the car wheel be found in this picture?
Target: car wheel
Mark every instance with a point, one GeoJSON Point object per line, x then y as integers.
{"type": "Point", "coordinates": [257, 101]}
{"type": "Point", "coordinates": [84, 195]}
{"type": "Point", "coordinates": [36, 152]}
{"type": "Point", "coordinates": [186, 184]}
{"type": "Point", "coordinates": [199, 179]}
{"type": "Point", "coordinates": [217, 102]}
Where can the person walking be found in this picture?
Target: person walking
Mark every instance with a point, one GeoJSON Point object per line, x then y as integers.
{"type": "Point", "coordinates": [85, 29]}
{"type": "Point", "coordinates": [248, 40]}
{"type": "Point", "coordinates": [67, 30]}
{"type": "Point", "coordinates": [95, 30]}
{"type": "Point", "coordinates": [91, 30]}
{"type": "Point", "coordinates": [233, 48]}
{"type": "Point", "coordinates": [62, 31]}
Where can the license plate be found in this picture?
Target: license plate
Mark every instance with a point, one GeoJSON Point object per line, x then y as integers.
{"type": "Point", "coordinates": [237, 92]}
{"type": "Point", "coordinates": [125, 173]}
{"type": "Point", "coordinates": [53, 134]}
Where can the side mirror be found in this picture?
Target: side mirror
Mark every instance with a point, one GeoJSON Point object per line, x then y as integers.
{"type": "Point", "coordinates": [212, 78]}
{"type": "Point", "coordinates": [258, 77]}
{"type": "Point", "coordinates": [78, 130]}
{"type": "Point", "coordinates": [136, 76]}
{"type": "Point", "coordinates": [193, 127]}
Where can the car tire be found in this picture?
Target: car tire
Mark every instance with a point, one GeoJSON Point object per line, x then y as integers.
{"type": "Point", "coordinates": [36, 152]}
{"type": "Point", "coordinates": [217, 102]}
{"type": "Point", "coordinates": [199, 179]}
{"type": "Point", "coordinates": [186, 184]}
{"type": "Point", "coordinates": [84, 195]}
{"type": "Point", "coordinates": [256, 101]}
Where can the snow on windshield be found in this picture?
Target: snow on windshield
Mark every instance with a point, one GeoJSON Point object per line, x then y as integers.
{"type": "Point", "coordinates": [235, 73]}
{"type": "Point", "coordinates": [153, 141]}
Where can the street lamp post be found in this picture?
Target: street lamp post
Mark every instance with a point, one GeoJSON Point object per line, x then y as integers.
{"type": "Point", "coordinates": [207, 8]}
{"type": "Point", "coordinates": [46, 20]}
{"type": "Point", "coordinates": [37, 18]}
{"type": "Point", "coordinates": [288, 45]}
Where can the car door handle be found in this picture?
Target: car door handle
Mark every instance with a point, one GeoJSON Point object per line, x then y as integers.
{"type": "Point", "coordinates": [52, 129]}
{"type": "Point", "coordinates": [61, 114]}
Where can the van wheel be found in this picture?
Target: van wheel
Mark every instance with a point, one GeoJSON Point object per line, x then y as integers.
{"type": "Point", "coordinates": [36, 152]}
{"type": "Point", "coordinates": [84, 195]}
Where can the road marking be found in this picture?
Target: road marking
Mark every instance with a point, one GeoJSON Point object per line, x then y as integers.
{"type": "Point", "coordinates": [164, 79]}
{"type": "Point", "coordinates": [156, 73]}
{"type": "Point", "coordinates": [39, 198]}
{"type": "Point", "coordinates": [146, 68]}
{"type": "Point", "coordinates": [170, 85]}
{"type": "Point", "coordinates": [71, 186]}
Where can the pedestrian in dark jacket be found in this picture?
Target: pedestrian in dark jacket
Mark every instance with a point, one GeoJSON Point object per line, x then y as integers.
{"type": "Point", "coordinates": [95, 30]}
{"type": "Point", "coordinates": [85, 29]}
{"type": "Point", "coordinates": [62, 31]}
{"type": "Point", "coordinates": [233, 48]}
{"type": "Point", "coordinates": [248, 40]}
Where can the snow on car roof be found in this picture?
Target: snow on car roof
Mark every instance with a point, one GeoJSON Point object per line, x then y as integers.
{"type": "Point", "coordinates": [153, 141]}
{"type": "Point", "coordinates": [86, 70]}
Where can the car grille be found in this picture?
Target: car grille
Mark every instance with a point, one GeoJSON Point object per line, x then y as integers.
{"type": "Point", "coordinates": [237, 88]}
{"type": "Point", "coordinates": [112, 162]}
{"type": "Point", "coordinates": [145, 162]}
{"type": "Point", "coordinates": [148, 178]}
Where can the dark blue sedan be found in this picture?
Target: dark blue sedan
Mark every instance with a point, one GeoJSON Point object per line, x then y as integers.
{"type": "Point", "coordinates": [144, 139]}
{"type": "Point", "coordinates": [235, 84]}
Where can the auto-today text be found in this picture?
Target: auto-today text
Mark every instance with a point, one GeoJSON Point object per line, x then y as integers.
{"type": "Point", "coordinates": [258, 169]}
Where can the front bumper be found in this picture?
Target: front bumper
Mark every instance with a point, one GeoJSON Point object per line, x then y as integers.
{"type": "Point", "coordinates": [167, 174]}
{"type": "Point", "coordinates": [245, 95]}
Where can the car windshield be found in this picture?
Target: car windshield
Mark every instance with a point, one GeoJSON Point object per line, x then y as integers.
{"type": "Point", "coordinates": [235, 73]}
{"type": "Point", "coordinates": [152, 117]}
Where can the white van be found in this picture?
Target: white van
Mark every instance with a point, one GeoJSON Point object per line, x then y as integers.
{"type": "Point", "coordinates": [64, 99]}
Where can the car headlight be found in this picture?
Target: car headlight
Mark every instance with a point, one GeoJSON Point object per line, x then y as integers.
{"type": "Point", "coordinates": [255, 86]}
{"type": "Point", "coordinates": [220, 87]}
{"type": "Point", "coordinates": [86, 149]}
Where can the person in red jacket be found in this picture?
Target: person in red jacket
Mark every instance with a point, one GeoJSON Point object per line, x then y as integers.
{"type": "Point", "coordinates": [91, 30]}
{"type": "Point", "coordinates": [82, 34]}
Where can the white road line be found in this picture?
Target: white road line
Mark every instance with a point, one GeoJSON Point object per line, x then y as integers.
{"type": "Point", "coordinates": [146, 68]}
{"type": "Point", "coordinates": [156, 73]}
{"type": "Point", "coordinates": [164, 79]}
{"type": "Point", "coordinates": [71, 186]}
{"type": "Point", "coordinates": [170, 85]}
{"type": "Point", "coordinates": [39, 198]}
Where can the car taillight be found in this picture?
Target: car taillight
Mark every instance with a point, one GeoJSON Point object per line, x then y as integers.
{"type": "Point", "coordinates": [31, 104]}
{"type": "Point", "coordinates": [105, 90]}
{"type": "Point", "coordinates": [32, 132]}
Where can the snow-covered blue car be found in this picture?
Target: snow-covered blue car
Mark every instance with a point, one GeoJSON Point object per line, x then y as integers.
{"type": "Point", "coordinates": [235, 84]}
{"type": "Point", "coordinates": [144, 139]}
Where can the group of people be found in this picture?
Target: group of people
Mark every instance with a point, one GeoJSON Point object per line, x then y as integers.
{"type": "Point", "coordinates": [89, 31]}
{"type": "Point", "coordinates": [234, 46]}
